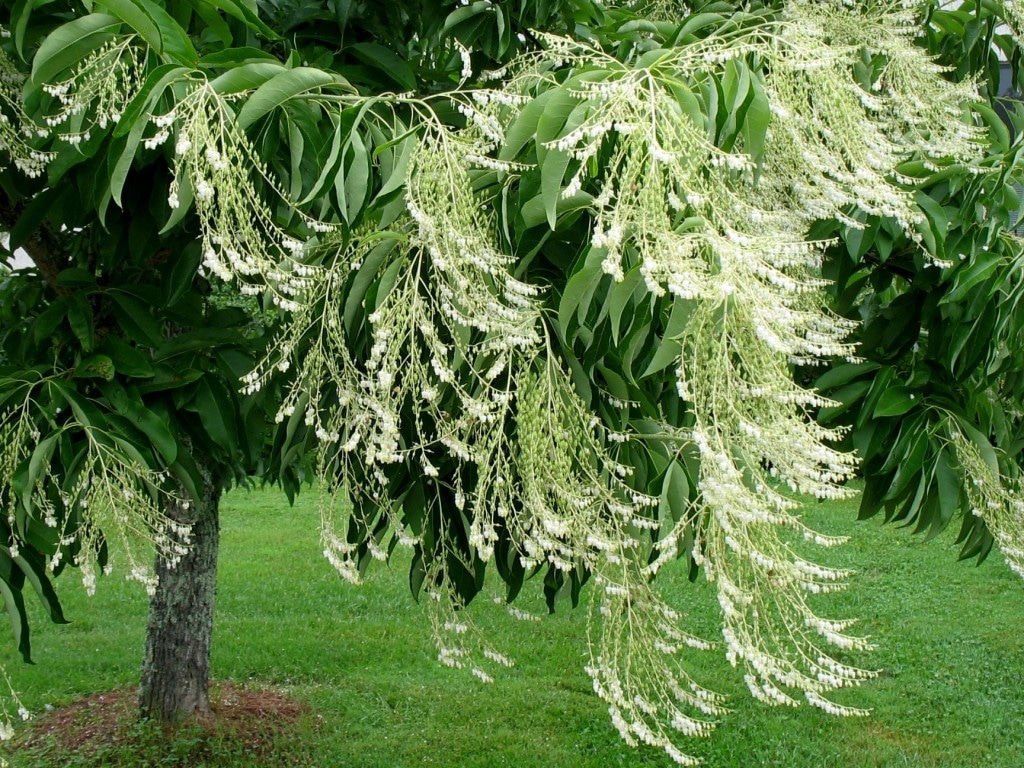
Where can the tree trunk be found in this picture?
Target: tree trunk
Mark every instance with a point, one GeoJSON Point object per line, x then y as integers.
{"type": "Point", "coordinates": [176, 667]}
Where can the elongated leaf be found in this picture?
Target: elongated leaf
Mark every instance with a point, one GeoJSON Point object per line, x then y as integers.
{"type": "Point", "coordinates": [388, 62]}
{"type": "Point", "coordinates": [157, 27]}
{"type": "Point", "coordinates": [398, 171]}
{"type": "Point", "coordinates": [895, 401]}
{"type": "Point", "coordinates": [671, 346]}
{"type": "Point", "coordinates": [148, 94]}
{"type": "Point", "coordinates": [364, 278]}
{"type": "Point", "coordinates": [138, 18]}
{"type": "Point", "coordinates": [213, 21]}
{"type": "Point", "coordinates": [39, 461]}
{"type": "Point", "coordinates": [81, 320]}
{"type": "Point", "coordinates": [247, 76]}
{"type": "Point", "coordinates": [282, 87]}
{"type": "Point", "coordinates": [130, 405]}
{"type": "Point", "coordinates": [95, 367]}
{"type": "Point", "coordinates": [524, 128]}
{"type": "Point", "coordinates": [70, 43]}
{"type": "Point", "coordinates": [971, 274]}
{"type": "Point", "coordinates": [134, 122]}
{"type": "Point", "coordinates": [243, 13]}
{"type": "Point", "coordinates": [14, 602]}
{"type": "Point", "coordinates": [580, 285]}
{"type": "Point", "coordinates": [353, 185]}
{"type": "Point", "coordinates": [217, 415]}
{"type": "Point", "coordinates": [33, 565]}
{"type": "Point", "coordinates": [949, 486]}
{"type": "Point", "coordinates": [843, 374]}
{"type": "Point", "coordinates": [136, 319]}
{"type": "Point", "coordinates": [675, 491]}
{"type": "Point", "coordinates": [231, 58]}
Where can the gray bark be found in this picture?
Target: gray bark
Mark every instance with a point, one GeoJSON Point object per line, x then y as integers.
{"type": "Point", "coordinates": [176, 667]}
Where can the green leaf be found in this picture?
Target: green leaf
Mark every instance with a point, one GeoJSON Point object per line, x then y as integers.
{"type": "Point", "coordinates": [894, 401]}
{"type": "Point", "coordinates": [14, 602]}
{"type": "Point", "coordinates": [135, 318]}
{"type": "Point", "coordinates": [284, 86]}
{"type": "Point", "coordinates": [84, 410]}
{"type": "Point", "coordinates": [129, 404]}
{"type": "Point", "coordinates": [388, 62]}
{"type": "Point", "coordinates": [460, 15]}
{"type": "Point", "coordinates": [695, 23]}
{"type": "Point", "coordinates": [524, 127]}
{"type": "Point", "coordinates": [123, 164]}
{"type": "Point", "coordinates": [353, 184]}
{"type": "Point", "coordinates": [246, 77]}
{"type": "Point", "coordinates": [970, 274]}
{"type": "Point", "coordinates": [534, 213]}
{"type": "Point", "coordinates": [396, 179]}
{"type": "Point", "coordinates": [364, 278]}
{"type": "Point", "coordinates": [675, 491]}
{"type": "Point", "coordinates": [621, 294]}
{"type": "Point", "coordinates": [935, 214]}
{"type": "Point", "coordinates": [33, 565]}
{"type": "Point", "coordinates": [148, 94]}
{"type": "Point", "coordinates": [156, 27]}
{"type": "Point", "coordinates": [844, 374]}
{"type": "Point", "coordinates": [95, 367]}
{"type": "Point", "coordinates": [138, 18]}
{"type": "Point", "coordinates": [755, 122]}
{"type": "Point", "coordinates": [39, 461]}
{"type": "Point", "coordinates": [199, 340]}
{"type": "Point", "coordinates": [70, 43]}
{"type": "Point", "coordinates": [580, 285]}
{"type": "Point", "coordinates": [949, 486]}
{"type": "Point", "coordinates": [232, 58]}
{"type": "Point", "coordinates": [671, 347]}
{"type": "Point", "coordinates": [217, 415]}
{"type": "Point", "coordinates": [243, 13]}
{"type": "Point", "coordinates": [75, 277]}
{"type": "Point", "coordinates": [81, 321]}
{"type": "Point", "coordinates": [127, 360]}
{"type": "Point", "coordinates": [213, 21]}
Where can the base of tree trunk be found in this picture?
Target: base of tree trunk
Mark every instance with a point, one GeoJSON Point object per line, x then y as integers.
{"type": "Point", "coordinates": [176, 667]}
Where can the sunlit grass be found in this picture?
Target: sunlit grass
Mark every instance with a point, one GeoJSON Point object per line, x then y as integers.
{"type": "Point", "coordinates": [950, 694]}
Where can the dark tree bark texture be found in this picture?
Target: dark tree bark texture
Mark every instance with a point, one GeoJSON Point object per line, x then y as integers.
{"type": "Point", "coordinates": [176, 666]}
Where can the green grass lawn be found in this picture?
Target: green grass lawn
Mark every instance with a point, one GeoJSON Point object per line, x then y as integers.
{"type": "Point", "coordinates": [949, 636]}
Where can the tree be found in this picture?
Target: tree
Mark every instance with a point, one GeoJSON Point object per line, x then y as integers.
{"type": "Point", "coordinates": [536, 286]}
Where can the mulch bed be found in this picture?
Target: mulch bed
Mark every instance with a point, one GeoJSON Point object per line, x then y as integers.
{"type": "Point", "coordinates": [249, 717]}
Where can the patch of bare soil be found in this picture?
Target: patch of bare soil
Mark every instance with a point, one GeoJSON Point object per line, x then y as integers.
{"type": "Point", "coordinates": [245, 720]}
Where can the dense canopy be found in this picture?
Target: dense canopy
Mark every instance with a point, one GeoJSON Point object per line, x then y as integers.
{"type": "Point", "coordinates": [561, 289]}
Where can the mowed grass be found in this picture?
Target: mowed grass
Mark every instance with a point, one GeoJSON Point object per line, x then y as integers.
{"type": "Point", "coordinates": [949, 636]}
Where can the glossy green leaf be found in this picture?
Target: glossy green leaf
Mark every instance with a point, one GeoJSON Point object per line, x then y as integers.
{"type": "Point", "coordinates": [282, 87]}
{"type": "Point", "coordinates": [388, 62]}
{"type": "Point", "coordinates": [80, 318]}
{"type": "Point", "coordinates": [246, 77]}
{"type": "Point", "coordinates": [70, 43]}
{"type": "Point", "coordinates": [670, 347]}
{"type": "Point", "coordinates": [130, 405]}
{"type": "Point", "coordinates": [895, 401]}
{"type": "Point", "coordinates": [241, 11]}
{"type": "Point", "coordinates": [157, 27]}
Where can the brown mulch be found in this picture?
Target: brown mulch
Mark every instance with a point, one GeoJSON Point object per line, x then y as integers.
{"type": "Point", "coordinates": [250, 717]}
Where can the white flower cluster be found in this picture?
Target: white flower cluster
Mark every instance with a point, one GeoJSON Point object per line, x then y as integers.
{"type": "Point", "coordinates": [95, 95]}
{"type": "Point", "coordinates": [112, 495]}
{"type": "Point", "coordinates": [217, 167]}
{"type": "Point", "coordinates": [16, 135]}
{"type": "Point", "coordinates": [993, 498]}
{"type": "Point", "coordinates": [842, 156]}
